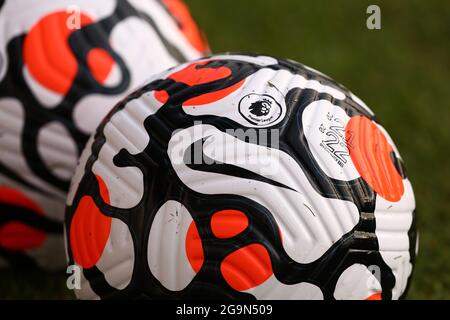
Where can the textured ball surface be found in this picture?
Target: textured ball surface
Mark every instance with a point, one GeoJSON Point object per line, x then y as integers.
{"type": "Point", "coordinates": [63, 65]}
{"type": "Point", "coordinates": [240, 176]}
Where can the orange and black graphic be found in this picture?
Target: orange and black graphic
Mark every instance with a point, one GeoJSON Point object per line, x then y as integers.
{"type": "Point", "coordinates": [22, 226]}
{"type": "Point", "coordinates": [71, 63]}
{"type": "Point", "coordinates": [208, 81]}
{"type": "Point", "coordinates": [90, 229]}
{"type": "Point", "coordinates": [231, 232]}
{"type": "Point", "coordinates": [66, 64]}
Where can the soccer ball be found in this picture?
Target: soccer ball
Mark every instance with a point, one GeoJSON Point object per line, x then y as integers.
{"type": "Point", "coordinates": [63, 65]}
{"type": "Point", "coordinates": [241, 176]}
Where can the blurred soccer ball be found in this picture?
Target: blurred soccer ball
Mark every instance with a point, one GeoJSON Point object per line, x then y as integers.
{"type": "Point", "coordinates": [63, 65]}
{"type": "Point", "coordinates": [239, 176]}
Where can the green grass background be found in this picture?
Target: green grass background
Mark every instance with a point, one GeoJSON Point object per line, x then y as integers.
{"type": "Point", "coordinates": [401, 71]}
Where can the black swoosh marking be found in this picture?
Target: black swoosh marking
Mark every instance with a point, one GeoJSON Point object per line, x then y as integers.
{"type": "Point", "coordinates": [211, 165]}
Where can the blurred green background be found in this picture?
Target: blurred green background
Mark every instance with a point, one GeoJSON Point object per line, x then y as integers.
{"type": "Point", "coordinates": [401, 71]}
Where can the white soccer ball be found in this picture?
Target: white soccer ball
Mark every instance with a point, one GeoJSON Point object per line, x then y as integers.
{"type": "Point", "coordinates": [240, 176]}
{"type": "Point", "coordinates": [63, 65]}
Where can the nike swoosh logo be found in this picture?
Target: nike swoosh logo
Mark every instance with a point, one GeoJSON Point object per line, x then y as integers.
{"type": "Point", "coordinates": [210, 165]}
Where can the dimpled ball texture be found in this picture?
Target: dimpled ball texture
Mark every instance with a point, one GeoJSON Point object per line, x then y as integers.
{"type": "Point", "coordinates": [243, 177]}
{"type": "Point", "coordinates": [63, 66]}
